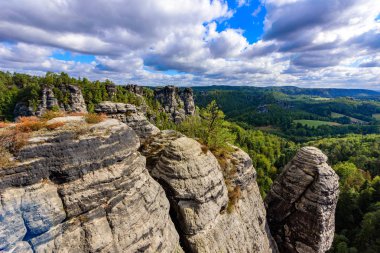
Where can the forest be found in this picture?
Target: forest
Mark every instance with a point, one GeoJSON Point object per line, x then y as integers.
{"type": "Point", "coordinates": [300, 117]}
{"type": "Point", "coordinates": [270, 125]}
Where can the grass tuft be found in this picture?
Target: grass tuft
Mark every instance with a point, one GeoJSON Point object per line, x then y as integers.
{"type": "Point", "coordinates": [55, 125]}
{"type": "Point", "coordinates": [93, 118]}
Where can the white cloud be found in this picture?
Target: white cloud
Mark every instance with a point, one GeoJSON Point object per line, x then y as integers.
{"type": "Point", "coordinates": [305, 42]}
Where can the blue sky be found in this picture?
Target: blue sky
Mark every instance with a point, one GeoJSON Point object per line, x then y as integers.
{"type": "Point", "coordinates": [308, 43]}
{"type": "Point", "coordinates": [244, 18]}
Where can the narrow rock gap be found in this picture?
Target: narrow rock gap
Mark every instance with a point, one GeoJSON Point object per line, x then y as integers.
{"type": "Point", "coordinates": [174, 215]}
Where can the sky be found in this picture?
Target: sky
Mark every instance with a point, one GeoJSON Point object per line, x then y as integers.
{"type": "Point", "coordinates": [306, 43]}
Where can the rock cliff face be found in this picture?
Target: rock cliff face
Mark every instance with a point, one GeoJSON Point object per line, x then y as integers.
{"type": "Point", "coordinates": [301, 204]}
{"type": "Point", "coordinates": [94, 188]}
{"type": "Point", "coordinates": [77, 103]}
{"type": "Point", "coordinates": [83, 188]}
{"type": "Point", "coordinates": [196, 188]}
{"type": "Point", "coordinates": [49, 102]}
{"type": "Point", "coordinates": [130, 115]}
{"type": "Point", "coordinates": [136, 89]}
{"type": "Point", "coordinates": [178, 103]}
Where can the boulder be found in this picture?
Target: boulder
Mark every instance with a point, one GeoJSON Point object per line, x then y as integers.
{"type": "Point", "coordinates": [130, 115]}
{"type": "Point", "coordinates": [301, 204]}
{"type": "Point", "coordinates": [199, 196]}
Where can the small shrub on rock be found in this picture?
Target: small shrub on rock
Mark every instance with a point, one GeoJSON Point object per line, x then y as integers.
{"type": "Point", "coordinates": [30, 124]}
{"type": "Point", "coordinates": [48, 115]}
{"type": "Point", "coordinates": [93, 118]}
{"type": "Point", "coordinates": [55, 125]}
{"type": "Point", "coordinates": [233, 198]}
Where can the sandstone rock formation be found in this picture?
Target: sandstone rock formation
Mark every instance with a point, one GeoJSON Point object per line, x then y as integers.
{"type": "Point", "coordinates": [83, 188]}
{"type": "Point", "coordinates": [23, 109]}
{"type": "Point", "coordinates": [187, 97]}
{"type": "Point", "coordinates": [196, 188]}
{"type": "Point", "coordinates": [48, 101]}
{"type": "Point", "coordinates": [301, 204]}
{"type": "Point", "coordinates": [129, 114]}
{"type": "Point", "coordinates": [136, 89]}
{"type": "Point", "coordinates": [178, 103]}
{"type": "Point", "coordinates": [77, 103]}
{"type": "Point", "coordinates": [94, 188]}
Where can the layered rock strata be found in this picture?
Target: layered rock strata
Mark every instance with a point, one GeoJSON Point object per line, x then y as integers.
{"type": "Point", "coordinates": [130, 115]}
{"type": "Point", "coordinates": [178, 103]}
{"type": "Point", "coordinates": [196, 188]}
{"type": "Point", "coordinates": [77, 103]}
{"type": "Point", "coordinates": [83, 188]}
{"type": "Point", "coordinates": [301, 204]}
{"type": "Point", "coordinates": [48, 101]}
{"type": "Point", "coordinates": [136, 89]}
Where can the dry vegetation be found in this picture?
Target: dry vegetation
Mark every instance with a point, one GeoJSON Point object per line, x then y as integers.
{"type": "Point", "coordinates": [30, 124]}
{"type": "Point", "coordinates": [93, 118]}
{"type": "Point", "coordinates": [55, 125]}
{"type": "Point", "coordinates": [52, 114]}
{"type": "Point", "coordinates": [11, 140]}
{"type": "Point", "coordinates": [234, 194]}
{"type": "Point", "coordinates": [228, 166]}
{"type": "Point", "coordinates": [13, 136]}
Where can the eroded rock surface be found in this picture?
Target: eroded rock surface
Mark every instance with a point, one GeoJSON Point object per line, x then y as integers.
{"type": "Point", "coordinates": [195, 185]}
{"type": "Point", "coordinates": [178, 103]}
{"type": "Point", "coordinates": [83, 188]}
{"type": "Point", "coordinates": [301, 204]}
{"type": "Point", "coordinates": [48, 101]}
{"type": "Point", "coordinates": [130, 115]}
{"type": "Point", "coordinates": [77, 103]}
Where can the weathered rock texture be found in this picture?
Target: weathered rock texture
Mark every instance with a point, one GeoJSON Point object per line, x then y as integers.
{"type": "Point", "coordinates": [136, 89]}
{"type": "Point", "coordinates": [48, 101]}
{"type": "Point", "coordinates": [301, 204]}
{"type": "Point", "coordinates": [77, 103]}
{"type": "Point", "coordinates": [196, 188]}
{"type": "Point", "coordinates": [89, 188]}
{"type": "Point", "coordinates": [83, 188]}
{"type": "Point", "coordinates": [178, 103]}
{"type": "Point", "coordinates": [23, 109]}
{"type": "Point", "coordinates": [130, 115]}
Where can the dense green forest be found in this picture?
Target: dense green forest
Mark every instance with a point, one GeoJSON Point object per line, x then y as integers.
{"type": "Point", "coordinates": [356, 159]}
{"type": "Point", "coordinates": [301, 117]}
{"type": "Point", "coordinates": [270, 124]}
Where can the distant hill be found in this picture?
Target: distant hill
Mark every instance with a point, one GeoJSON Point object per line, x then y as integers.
{"type": "Point", "coordinates": [293, 90]}
{"type": "Point", "coordinates": [300, 114]}
{"type": "Point", "coordinates": [326, 92]}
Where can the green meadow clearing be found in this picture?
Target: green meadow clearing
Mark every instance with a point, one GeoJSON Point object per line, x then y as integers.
{"type": "Point", "coordinates": [315, 123]}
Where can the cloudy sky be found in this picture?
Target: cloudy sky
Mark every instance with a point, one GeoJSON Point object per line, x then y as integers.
{"type": "Point", "coordinates": [309, 43]}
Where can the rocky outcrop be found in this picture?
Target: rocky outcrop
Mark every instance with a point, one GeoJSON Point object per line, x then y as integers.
{"type": "Point", "coordinates": [48, 102]}
{"type": "Point", "coordinates": [187, 97]}
{"type": "Point", "coordinates": [83, 188]}
{"type": "Point", "coordinates": [199, 196]}
{"type": "Point", "coordinates": [23, 109]}
{"type": "Point", "coordinates": [178, 103]}
{"type": "Point", "coordinates": [111, 91]}
{"type": "Point", "coordinates": [130, 115]}
{"type": "Point", "coordinates": [76, 103]}
{"type": "Point", "coordinates": [94, 188]}
{"type": "Point", "coordinates": [136, 89]}
{"type": "Point", "coordinates": [301, 204]}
